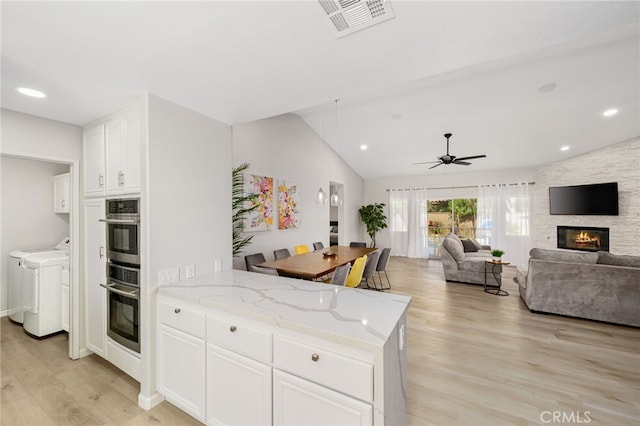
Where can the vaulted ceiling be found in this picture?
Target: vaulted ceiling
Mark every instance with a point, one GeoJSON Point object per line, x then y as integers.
{"type": "Point", "coordinates": [512, 80]}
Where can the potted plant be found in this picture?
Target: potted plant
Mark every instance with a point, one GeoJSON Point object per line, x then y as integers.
{"type": "Point", "coordinates": [373, 217]}
{"type": "Point", "coordinates": [239, 203]}
{"type": "Point", "coordinates": [497, 255]}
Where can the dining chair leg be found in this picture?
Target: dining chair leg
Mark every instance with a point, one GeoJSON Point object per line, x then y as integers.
{"type": "Point", "coordinates": [387, 276]}
{"type": "Point", "coordinates": [375, 285]}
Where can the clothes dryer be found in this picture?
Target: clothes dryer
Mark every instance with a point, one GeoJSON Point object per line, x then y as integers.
{"type": "Point", "coordinates": [16, 274]}
{"type": "Point", "coordinates": [42, 292]}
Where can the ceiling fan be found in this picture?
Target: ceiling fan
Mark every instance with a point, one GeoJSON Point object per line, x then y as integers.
{"type": "Point", "coordinates": [451, 159]}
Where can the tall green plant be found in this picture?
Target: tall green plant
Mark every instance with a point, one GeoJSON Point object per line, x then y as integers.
{"type": "Point", "coordinates": [373, 217]}
{"type": "Point", "coordinates": [241, 205]}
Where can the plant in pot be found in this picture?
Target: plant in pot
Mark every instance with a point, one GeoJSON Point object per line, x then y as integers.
{"type": "Point", "coordinates": [241, 205]}
{"type": "Point", "coordinates": [373, 217]}
{"type": "Point", "coordinates": [497, 255]}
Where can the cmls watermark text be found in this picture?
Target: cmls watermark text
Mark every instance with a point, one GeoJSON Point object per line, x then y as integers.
{"type": "Point", "coordinates": [564, 417]}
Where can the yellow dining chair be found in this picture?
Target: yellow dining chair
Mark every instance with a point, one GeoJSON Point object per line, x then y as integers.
{"type": "Point", "coordinates": [355, 276]}
{"type": "Point", "coordinates": [301, 249]}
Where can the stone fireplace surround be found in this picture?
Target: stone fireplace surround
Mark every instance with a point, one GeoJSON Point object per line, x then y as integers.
{"type": "Point", "coordinates": [584, 238]}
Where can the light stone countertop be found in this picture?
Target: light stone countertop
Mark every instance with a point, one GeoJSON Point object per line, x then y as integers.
{"type": "Point", "coordinates": [361, 317]}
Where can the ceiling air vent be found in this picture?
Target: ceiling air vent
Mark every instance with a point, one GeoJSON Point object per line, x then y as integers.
{"type": "Point", "coordinates": [349, 16]}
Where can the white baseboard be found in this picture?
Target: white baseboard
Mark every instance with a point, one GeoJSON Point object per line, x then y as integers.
{"type": "Point", "coordinates": [148, 402]}
{"type": "Point", "coordinates": [84, 352]}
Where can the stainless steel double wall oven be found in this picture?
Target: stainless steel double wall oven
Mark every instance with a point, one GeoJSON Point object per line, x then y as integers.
{"type": "Point", "coordinates": [123, 271]}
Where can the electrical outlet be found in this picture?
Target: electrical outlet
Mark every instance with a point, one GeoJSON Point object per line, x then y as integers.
{"type": "Point", "coordinates": [217, 264]}
{"type": "Point", "coordinates": [191, 271]}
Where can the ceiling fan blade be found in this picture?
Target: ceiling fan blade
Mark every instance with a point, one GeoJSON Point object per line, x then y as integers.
{"type": "Point", "coordinates": [471, 158]}
{"type": "Point", "coordinates": [439, 164]}
{"type": "Point", "coordinates": [462, 163]}
{"type": "Point", "coordinates": [426, 162]}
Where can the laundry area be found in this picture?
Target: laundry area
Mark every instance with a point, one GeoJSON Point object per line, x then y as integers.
{"type": "Point", "coordinates": [35, 230]}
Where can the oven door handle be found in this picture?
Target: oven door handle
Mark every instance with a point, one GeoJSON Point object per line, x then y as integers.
{"type": "Point", "coordinates": [117, 221]}
{"type": "Point", "coordinates": [133, 294]}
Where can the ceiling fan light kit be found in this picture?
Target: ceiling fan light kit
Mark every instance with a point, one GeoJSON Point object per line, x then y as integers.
{"type": "Point", "coordinates": [451, 159]}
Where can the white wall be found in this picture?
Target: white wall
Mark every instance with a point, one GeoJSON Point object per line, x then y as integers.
{"type": "Point", "coordinates": [189, 189]}
{"type": "Point", "coordinates": [285, 147]}
{"type": "Point", "coordinates": [457, 185]}
{"type": "Point", "coordinates": [28, 220]}
{"type": "Point", "coordinates": [616, 163]}
{"type": "Point", "coordinates": [31, 136]}
{"type": "Point", "coordinates": [186, 199]}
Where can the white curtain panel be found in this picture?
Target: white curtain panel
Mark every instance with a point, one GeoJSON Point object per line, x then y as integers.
{"type": "Point", "coordinates": [503, 220]}
{"type": "Point", "coordinates": [408, 223]}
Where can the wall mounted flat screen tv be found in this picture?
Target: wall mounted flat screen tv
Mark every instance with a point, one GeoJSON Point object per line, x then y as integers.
{"type": "Point", "coordinates": [596, 199]}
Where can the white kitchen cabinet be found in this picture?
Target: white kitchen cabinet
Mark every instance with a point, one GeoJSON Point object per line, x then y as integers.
{"type": "Point", "coordinates": [93, 160]}
{"type": "Point", "coordinates": [181, 357]}
{"type": "Point", "coordinates": [94, 275]}
{"type": "Point", "coordinates": [61, 193]}
{"type": "Point", "coordinates": [122, 142]}
{"type": "Point", "coordinates": [238, 389]}
{"type": "Point", "coordinates": [300, 402]}
{"type": "Point", "coordinates": [112, 155]}
{"type": "Point", "coordinates": [264, 365]}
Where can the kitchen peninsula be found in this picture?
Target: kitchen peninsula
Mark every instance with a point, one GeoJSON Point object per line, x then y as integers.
{"type": "Point", "coordinates": [236, 347]}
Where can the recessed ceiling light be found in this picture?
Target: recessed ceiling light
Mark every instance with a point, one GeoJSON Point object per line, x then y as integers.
{"type": "Point", "coordinates": [363, 147]}
{"type": "Point", "coordinates": [31, 92]}
{"type": "Point", "coordinates": [610, 112]}
{"type": "Point", "coordinates": [396, 117]}
{"type": "Point", "coordinates": [565, 148]}
{"type": "Point", "coordinates": [547, 88]}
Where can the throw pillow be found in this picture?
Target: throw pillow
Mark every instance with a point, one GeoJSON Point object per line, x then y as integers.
{"type": "Point", "coordinates": [605, 258]}
{"type": "Point", "coordinates": [476, 243]}
{"type": "Point", "coordinates": [468, 245]}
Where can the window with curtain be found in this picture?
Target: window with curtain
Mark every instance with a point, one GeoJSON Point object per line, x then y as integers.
{"type": "Point", "coordinates": [408, 226]}
{"type": "Point", "coordinates": [503, 220]}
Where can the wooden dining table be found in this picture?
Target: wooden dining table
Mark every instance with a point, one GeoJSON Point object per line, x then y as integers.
{"type": "Point", "coordinates": [316, 264]}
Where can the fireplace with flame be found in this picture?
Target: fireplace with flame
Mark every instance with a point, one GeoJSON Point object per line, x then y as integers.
{"type": "Point", "coordinates": [583, 238]}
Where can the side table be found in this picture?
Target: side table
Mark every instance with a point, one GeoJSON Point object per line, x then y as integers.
{"type": "Point", "coordinates": [491, 288]}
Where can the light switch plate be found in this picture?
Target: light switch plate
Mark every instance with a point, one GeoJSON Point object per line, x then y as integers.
{"type": "Point", "coordinates": [173, 275]}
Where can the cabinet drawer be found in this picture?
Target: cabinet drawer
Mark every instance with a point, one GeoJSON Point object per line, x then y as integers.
{"type": "Point", "coordinates": [239, 338]}
{"type": "Point", "coordinates": [348, 375]}
{"type": "Point", "coordinates": [189, 320]}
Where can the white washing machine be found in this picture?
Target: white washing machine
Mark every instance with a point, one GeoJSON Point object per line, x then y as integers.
{"type": "Point", "coordinates": [42, 292]}
{"type": "Point", "coordinates": [16, 273]}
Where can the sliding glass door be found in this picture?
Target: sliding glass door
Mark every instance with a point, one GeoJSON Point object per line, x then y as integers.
{"type": "Point", "coordinates": [457, 215]}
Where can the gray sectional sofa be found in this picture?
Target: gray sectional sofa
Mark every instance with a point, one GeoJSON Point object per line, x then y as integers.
{"type": "Point", "coordinates": [466, 266]}
{"type": "Point", "coordinates": [598, 286]}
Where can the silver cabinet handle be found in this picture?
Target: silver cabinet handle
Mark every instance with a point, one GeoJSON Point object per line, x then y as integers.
{"type": "Point", "coordinates": [132, 294]}
{"type": "Point", "coordinates": [315, 357]}
{"type": "Point", "coordinates": [117, 221]}
{"type": "Point", "coordinates": [120, 177]}
{"type": "Point", "coordinates": [101, 251]}
{"type": "Point", "coordinates": [176, 310]}
{"type": "Point", "coordinates": [100, 180]}
{"type": "Point", "coordinates": [63, 203]}
{"type": "Point", "coordinates": [232, 328]}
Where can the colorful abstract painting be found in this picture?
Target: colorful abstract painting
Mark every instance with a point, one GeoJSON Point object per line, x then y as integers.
{"type": "Point", "coordinates": [288, 202]}
{"type": "Point", "coordinates": [260, 219]}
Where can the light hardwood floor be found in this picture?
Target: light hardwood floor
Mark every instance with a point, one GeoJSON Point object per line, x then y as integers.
{"type": "Point", "coordinates": [473, 359]}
